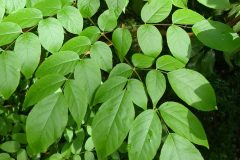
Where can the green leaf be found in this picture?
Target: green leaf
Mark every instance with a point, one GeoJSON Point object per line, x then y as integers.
{"type": "Point", "coordinates": [121, 69]}
{"type": "Point", "coordinates": [107, 21]}
{"type": "Point", "coordinates": [77, 100]}
{"type": "Point", "coordinates": [51, 34]}
{"type": "Point", "coordinates": [111, 87]}
{"type": "Point", "coordinates": [5, 156]}
{"type": "Point", "coordinates": [122, 41]}
{"type": "Point", "coordinates": [150, 40]}
{"type": "Point", "coordinates": [216, 4]}
{"type": "Point", "coordinates": [89, 146]}
{"type": "Point", "coordinates": [28, 50]}
{"type": "Point", "coordinates": [179, 148]}
{"type": "Point", "coordinates": [183, 122]}
{"type": "Point", "coordinates": [137, 93]}
{"type": "Point", "coordinates": [186, 16]}
{"type": "Point", "coordinates": [180, 3]}
{"type": "Point", "coordinates": [48, 8]}
{"type": "Point", "coordinates": [10, 146]}
{"type": "Point", "coordinates": [80, 45]}
{"type": "Point", "coordinates": [111, 124]}
{"type": "Point", "coordinates": [61, 63]}
{"type": "Point", "coordinates": [10, 73]}
{"type": "Point", "coordinates": [9, 32]}
{"type": "Point", "coordinates": [117, 5]}
{"type": "Point", "coordinates": [14, 5]}
{"type": "Point", "coordinates": [168, 63]}
{"type": "Point", "coordinates": [22, 155]}
{"type": "Point", "coordinates": [52, 117]}
{"type": "Point", "coordinates": [145, 136]}
{"type": "Point", "coordinates": [92, 32]}
{"type": "Point", "coordinates": [89, 155]}
{"type": "Point", "coordinates": [102, 54]}
{"type": "Point", "coordinates": [142, 61]}
{"type": "Point", "coordinates": [2, 10]}
{"type": "Point", "coordinates": [71, 19]}
{"type": "Point", "coordinates": [88, 7]}
{"type": "Point", "coordinates": [26, 17]}
{"type": "Point", "coordinates": [217, 35]}
{"type": "Point", "coordinates": [193, 88]}
{"type": "Point", "coordinates": [156, 85]}
{"type": "Point", "coordinates": [156, 11]}
{"type": "Point", "coordinates": [89, 75]}
{"type": "Point", "coordinates": [179, 43]}
{"type": "Point", "coordinates": [43, 88]}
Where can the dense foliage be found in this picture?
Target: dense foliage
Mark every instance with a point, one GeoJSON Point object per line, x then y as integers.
{"type": "Point", "coordinates": [113, 79]}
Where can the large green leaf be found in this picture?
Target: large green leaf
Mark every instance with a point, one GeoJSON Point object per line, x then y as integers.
{"type": "Point", "coordinates": [144, 136]}
{"type": "Point", "coordinates": [150, 40]}
{"type": "Point", "coordinates": [62, 63]}
{"type": "Point", "coordinates": [111, 124]}
{"type": "Point", "coordinates": [180, 3]}
{"type": "Point", "coordinates": [193, 88]}
{"type": "Point", "coordinates": [183, 122]}
{"type": "Point", "coordinates": [71, 19]}
{"type": "Point", "coordinates": [107, 21]}
{"type": "Point", "coordinates": [102, 54]}
{"type": "Point", "coordinates": [8, 32]}
{"type": "Point", "coordinates": [217, 35]}
{"type": "Point", "coordinates": [168, 63]}
{"type": "Point", "coordinates": [92, 32]}
{"type": "Point", "coordinates": [28, 50]}
{"type": "Point", "coordinates": [122, 41]}
{"type": "Point", "coordinates": [10, 73]}
{"type": "Point", "coordinates": [88, 7]}
{"type": "Point", "coordinates": [117, 5]}
{"type": "Point", "coordinates": [216, 4]}
{"type": "Point", "coordinates": [121, 69]}
{"type": "Point", "coordinates": [156, 85]}
{"type": "Point", "coordinates": [77, 100]}
{"type": "Point", "coordinates": [26, 17]}
{"type": "Point", "coordinates": [179, 148]}
{"type": "Point", "coordinates": [186, 16]}
{"type": "Point", "coordinates": [48, 8]}
{"type": "Point", "coordinates": [142, 61]}
{"type": "Point", "coordinates": [43, 88]}
{"type": "Point", "coordinates": [46, 122]}
{"type": "Point", "coordinates": [156, 11]}
{"type": "Point", "coordinates": [14, 5]}
{"type": "Point", "coordinates": [51, 34]}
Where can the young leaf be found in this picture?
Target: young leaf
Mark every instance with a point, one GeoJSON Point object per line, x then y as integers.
{"type": "Point", "coordinates": [92, 32]}
{"type": "Point", "coordinates": [216, 4]}
{"type": "Point", "coordinates": [121, 69]}
{"type": "Point", "coordinates": [193, 88]}
{"type": "Point", "coordinates": [168, 63]}
{"type": "Point", "coordinates": [107, 21]}
{"type": "Point", "coordinates": [156, 85]}
{"type": "Point", "coordinates": [48, 8]}
{"type": "Point", "coordinates": [111, 124]}
{"type": "Point", "coordinates": [71, 19]}
{"type": "Point", "coordinates": [8, 32]}
{"type": "Point", "coordinates": [28, 50]}
{"type": "Point", "coordinates": [145, 136]}
{"type": "Point", "coordinates": [122, 41]}
{"type": "Point", "coordinates": [142, 61]}
{"type": "Point", "coordinates": [186, 16]}
{"type": "Point", "coordinates": [88, 7]}
{"type": "Point", "coordinates": [179, 43]}
{"type": "Point", "coordinates": [150, 40]}
{"type": "Point", "coordinates": [43, 88]}
{"type": "Point", "coordinates": [178, 148]}
{"type": "Point", "coordinates": [51, 34]}
{"type": "Point", "coordinates": [52, 117]}
{"type": "Point", "coordinates": [180, 3]}
{"type": "Point", "coordinates": [183, 122]}
{"type": "Point", "coordinates": [14, 5]}
{"type": "Point", "coordinates": [117, 5]}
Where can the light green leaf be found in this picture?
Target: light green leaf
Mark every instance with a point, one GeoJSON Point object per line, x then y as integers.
{"type": "Point", "coordinates": [179, 148]}
{"type": "Point", "coordinates": [28, 50]}
{"type": "Point", "coordinates": [180, 3]}
{"type": "Point", "coordinates": [168, 63]}
{"type": "Point", "coordinates": [121, 69]}
{"type": "Point", "coordinates": [10, 73]}
{"type": "Point", "coordinates": [2, 10]}
{"type": "Point", "coordinates": [61, 63]}
{"type": "Point", "coordinates": [14, 5]}
{"type": "Point", "coordinates": [80, 45]}
{"type": "Point", "coordinates": [111, 124]}
{"type": "Point", "coordinates": [52, 117]}
{"type": "Point", "coordinates": [88, 7]}
{"type": "Point", "coordinates": [71, 19]}
{"type": "Point", "coordinates": [156, 85]}
{"type": "Point", "coordinates": [89, 155]}
{"type": "Point", "coordinates": [51, 34]}
{"type": "Point", "coordinates": [216, 4]}
{"type": "Point", "coordinates": [150, 40]}
{"type": "Point", "coordinates": [183, 122]}
{"type": "Point", "coordinates": [117, 5]}
{"type": "Point", "coordinates": [77, 100]}
{"type": "Point", "coordinates": [107, 21]}
{"type": "Point", "coordinates": [22, 155]}
{"type": "Point", "coordinates": [217, 35]}
{"type": "Point", "coordinates": [48, 8]}
{"type": "Point", "coordinates": [67, 2]}
{"type": "Point", "coordinates": [137, 93]}
{"type": "Point", "coordinates": [5, 156]}
{"type": "Point", "coordinates": [186, 16]}
{"type": "Point", "coordinates": [26, 17]}
{"type": "Point", "coordinates": [142, 61]}
{"type": "Point", "coordinates": [9, 32]}
{"type": "Point", "coordinates": [156, 11]}
{"type": "Point", "coordinates": [92, 32]}
{"type": "Point", "coordinates": [144, 136]}
{"type": "Point", "coordinates": [89, 146]}
{"type": "Point", "coordinates": [122, 41]}
{"type": "Point", "coordinates": [10, 146]}
{"type": "Point", "coordinates": [193, 88]}
{"type": "Point", "coordinates": [43, 88]}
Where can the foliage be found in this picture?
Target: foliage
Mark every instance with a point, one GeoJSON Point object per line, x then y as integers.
{"type": "Point", "coordinates": [77, 82]}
